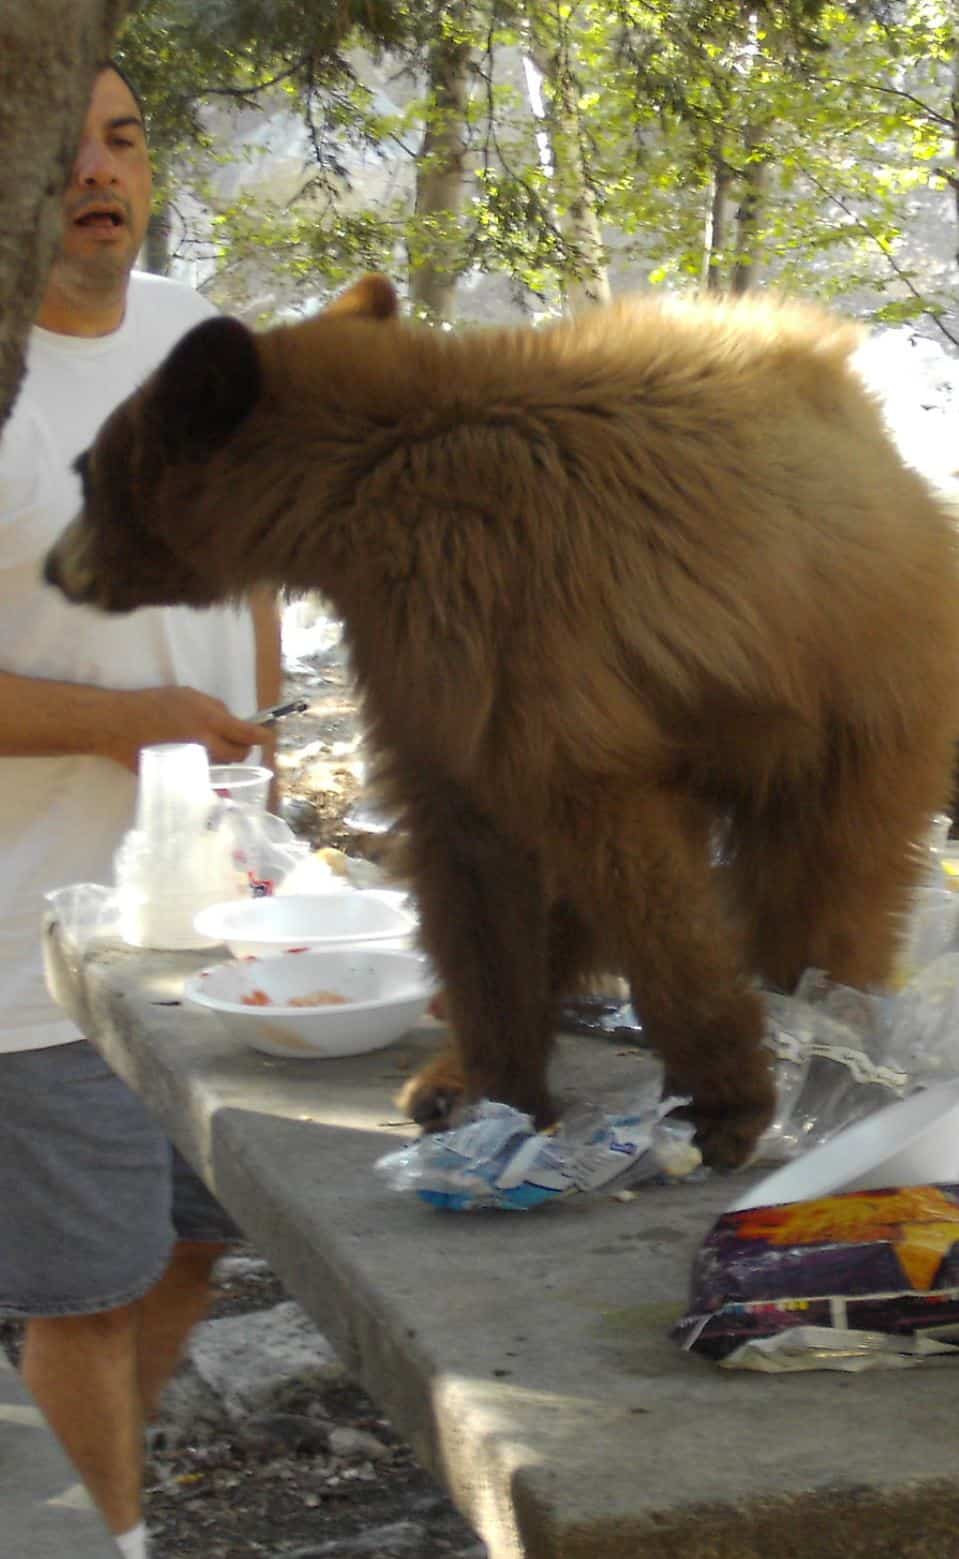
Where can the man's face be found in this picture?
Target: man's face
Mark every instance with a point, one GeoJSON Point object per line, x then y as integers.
{"type": "Point", "coordinates": [106, 205]}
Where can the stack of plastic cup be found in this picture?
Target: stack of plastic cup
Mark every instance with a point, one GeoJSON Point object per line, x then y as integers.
{"type": "Point", "coordinates": [175, 861]}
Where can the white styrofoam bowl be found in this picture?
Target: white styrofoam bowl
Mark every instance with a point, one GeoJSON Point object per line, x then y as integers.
{"type": "Point", "coordinates": [387, 994]}
{"type": "Point", "coordinates": [912, 1142]}
{"type": "Point", "coordinates": [283, 922]}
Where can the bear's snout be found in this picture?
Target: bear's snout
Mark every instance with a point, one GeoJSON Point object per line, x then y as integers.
{"type": "Point", "coordinates": [69, 569]}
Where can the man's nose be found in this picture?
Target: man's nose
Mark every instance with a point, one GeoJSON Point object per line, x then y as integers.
{"type": "Point", "coordinates": [94, 163]}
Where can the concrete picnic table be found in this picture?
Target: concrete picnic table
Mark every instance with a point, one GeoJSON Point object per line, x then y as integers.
{"type": "Point", "coordinates": [526, 1356]}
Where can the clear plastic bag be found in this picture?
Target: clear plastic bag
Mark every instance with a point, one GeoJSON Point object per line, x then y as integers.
{"type": "Point", "coordinates": [161, 884]}
{"type": "Point", "coordinates": [919, 1026]}
{"type": "Point", "coordinates": [78, 915]}
{"type": "Point", "coordinates": [828, 1071]}
{"type": "Point", "coordinates": [265, 848]}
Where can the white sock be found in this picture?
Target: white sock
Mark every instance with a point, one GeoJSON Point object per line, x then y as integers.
{"type": "Point", "coordinates": [133, 1544]}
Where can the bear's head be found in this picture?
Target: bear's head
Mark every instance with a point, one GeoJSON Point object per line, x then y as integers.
{"type": "Point", "coordinates": [136, 542]}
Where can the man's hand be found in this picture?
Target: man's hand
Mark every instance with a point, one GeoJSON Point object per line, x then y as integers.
{"type": "Point", "coordinates": [175, 714]}
{"type": "Point", "coordinates": [45, 719]}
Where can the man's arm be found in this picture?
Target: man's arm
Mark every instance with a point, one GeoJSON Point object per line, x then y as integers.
{"type": "Point", "coordinates": [265, 611]}
{"type": "Point", "coordinates": [40, 718]}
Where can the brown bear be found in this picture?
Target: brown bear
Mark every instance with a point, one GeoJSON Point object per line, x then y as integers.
{"type": "Point", "coordinates": [614, 589]}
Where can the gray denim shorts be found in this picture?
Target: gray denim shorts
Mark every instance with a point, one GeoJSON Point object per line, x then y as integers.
{"type": "Point", "coordinates": [93, 1195]}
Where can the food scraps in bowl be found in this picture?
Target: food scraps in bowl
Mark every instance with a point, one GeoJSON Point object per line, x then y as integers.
{"type": "Point", "coordinates": [334, 1002]}
{"type": "Point", "coordinates": [311, 999]}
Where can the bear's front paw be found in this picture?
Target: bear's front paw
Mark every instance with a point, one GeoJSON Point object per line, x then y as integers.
{"type": "Point", "coordinates": [726, 1137]}
{"type": "Point", "coordinates": [727, 1144]}
{"type": "Point", "coordinates": [434, 1095]}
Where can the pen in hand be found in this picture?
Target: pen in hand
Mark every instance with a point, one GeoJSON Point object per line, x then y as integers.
{"type": "Point", "coordinates": [296, 706]}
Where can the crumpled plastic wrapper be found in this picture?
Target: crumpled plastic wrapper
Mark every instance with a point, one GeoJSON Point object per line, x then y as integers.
{"type": "Point", "coordinates": [832, 1348]}
{"type": "Point", "coordinates": [854, 1281]}
{"type": "Point", "coordinates": [497, 1158]}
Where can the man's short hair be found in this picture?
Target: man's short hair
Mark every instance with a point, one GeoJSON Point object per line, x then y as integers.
{"type": "Point", "coordinates": [111, 64]}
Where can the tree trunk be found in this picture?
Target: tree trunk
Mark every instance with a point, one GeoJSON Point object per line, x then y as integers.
{"type": "Point", "coordinates": [954, 108]}
{"type": "Point", "coordinates": [156, 249]}
{"type": "Point", "coordinates": [550, 49]}
{"type": "Point", "coordinates": [713, 277]}
{"type": "Point", "coordinates": [436, 260]}
{"type": "Point", "coordinates": [755, 179]}
{"type": "Point", "coordinates": [49, 50]}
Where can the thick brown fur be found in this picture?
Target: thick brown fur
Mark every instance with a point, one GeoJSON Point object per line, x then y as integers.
{"type": "Point", "coordinates": [608, 586]}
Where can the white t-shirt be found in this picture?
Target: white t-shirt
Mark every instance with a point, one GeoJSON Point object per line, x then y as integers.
{"type": "Point", "coordinates": [61, 819]}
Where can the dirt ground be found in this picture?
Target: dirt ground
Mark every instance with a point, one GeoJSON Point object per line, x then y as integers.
{"type": "Point", "coordinates": [322, 1473]}
{"type": "Point", "coordinates": [319, 753]}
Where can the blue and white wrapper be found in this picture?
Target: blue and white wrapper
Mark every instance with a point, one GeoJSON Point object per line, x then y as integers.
{"type": "Point", "coordinates": [496, 1158]}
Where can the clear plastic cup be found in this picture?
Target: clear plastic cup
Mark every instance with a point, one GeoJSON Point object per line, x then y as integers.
{"type": "Point", "coordinates": [246, 783]}
{"type": "Point", "coordinates": [174, 789]}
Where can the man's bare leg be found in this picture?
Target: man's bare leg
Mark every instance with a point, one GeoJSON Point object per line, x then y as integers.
{"type": "Point", "coordinates": [169, 1312]}
{"type": "Point", "coordinates": [82, 1371]}
{"type": "Point", "coordinates": [98, 1378]}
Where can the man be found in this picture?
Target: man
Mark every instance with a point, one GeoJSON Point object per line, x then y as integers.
{"type": "Point", "coordinates": [106, 1240]}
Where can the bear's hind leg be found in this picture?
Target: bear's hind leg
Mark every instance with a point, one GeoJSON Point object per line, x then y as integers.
{"type": "Point", "coordinates": [825, 876]}
{"type": "Point", "coordinates": [652, 895]}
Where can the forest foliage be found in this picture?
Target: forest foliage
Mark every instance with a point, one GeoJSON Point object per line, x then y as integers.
{"type": "Point", "coordinates": [559, 143]}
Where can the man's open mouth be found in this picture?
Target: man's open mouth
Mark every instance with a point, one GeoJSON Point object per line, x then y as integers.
{"type": "Point", "coordinates": [107, 218]}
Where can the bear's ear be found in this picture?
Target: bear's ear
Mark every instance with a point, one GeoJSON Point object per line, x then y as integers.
{"type": "Point", "coordinates": [208, 384]}
{"type": "Point", "coordinates": [372, 297]}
